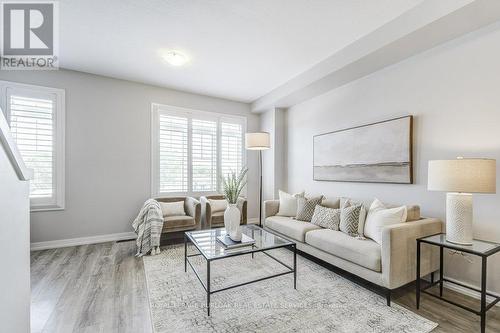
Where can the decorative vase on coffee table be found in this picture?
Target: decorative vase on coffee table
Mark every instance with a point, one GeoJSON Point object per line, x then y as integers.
{"type": "Point", "coordinates": [232, 216]}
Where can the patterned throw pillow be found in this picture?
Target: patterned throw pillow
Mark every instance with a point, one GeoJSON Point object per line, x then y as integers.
{"type": "Point", "coordinates": [349, 219]}
{"type": "Point", "coordinates": [305, 208]}
{"type": "Point", "coordinates": [326, 217]}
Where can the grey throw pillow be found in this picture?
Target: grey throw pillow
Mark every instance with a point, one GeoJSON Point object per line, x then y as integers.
{"type": "Point", "coordinates": [326, 217]}
{"type": "Point", "coordinates": [305, 208]}
{"type": "Point", "coordinates": [349, 219]}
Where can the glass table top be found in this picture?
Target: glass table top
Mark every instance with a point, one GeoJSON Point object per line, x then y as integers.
{"type": "Point", "coordinates": [478, 246]}
{"type": "Point", "coordinates": [206, 241]}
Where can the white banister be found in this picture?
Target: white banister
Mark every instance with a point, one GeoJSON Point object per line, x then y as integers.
{"type": "Point", "coordinates": [10, 148]}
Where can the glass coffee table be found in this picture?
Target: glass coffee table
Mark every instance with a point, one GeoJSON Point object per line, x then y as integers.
{"type": "Point", "coordinates": [205, 241]}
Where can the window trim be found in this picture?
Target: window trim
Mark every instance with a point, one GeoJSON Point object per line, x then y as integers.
{"type": "Point", "coordinates": [156, 110]}
{"type": "Point", "coordinates": [57, 202]}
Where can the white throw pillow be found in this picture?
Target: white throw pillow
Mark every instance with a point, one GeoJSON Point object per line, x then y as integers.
{"type": "Point", "coordinates": [379, 216]}
{"type": "Point", "coordinates": [288, 203]}
{"type": "Point", "coordinates": [175, 208]}
{"type": "Point", "coordinates": [219, 205]}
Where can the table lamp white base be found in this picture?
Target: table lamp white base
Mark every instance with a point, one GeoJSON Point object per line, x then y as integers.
{"type": "Point", "coordinates": [459, 218]}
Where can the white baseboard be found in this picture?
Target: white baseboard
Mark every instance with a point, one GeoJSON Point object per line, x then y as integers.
{"type": "Point", "coordinates": [466, 291]}
{"type": "Point", "coordinates": [82, 241]}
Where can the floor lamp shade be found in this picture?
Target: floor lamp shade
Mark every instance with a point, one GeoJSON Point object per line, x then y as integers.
{"type": "Point", "coordinates": [460, 178]}
{"type": "Point", "coordinates": [257, 141]}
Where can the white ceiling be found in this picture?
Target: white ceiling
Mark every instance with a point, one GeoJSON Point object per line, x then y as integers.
{"type": "Point", "coordinates": [239, 49]}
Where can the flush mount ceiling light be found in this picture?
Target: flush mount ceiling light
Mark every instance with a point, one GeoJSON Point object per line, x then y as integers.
{"type": "Point", "coordinates": [175, 58]}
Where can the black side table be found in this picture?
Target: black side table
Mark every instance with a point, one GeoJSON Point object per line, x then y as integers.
{"type": "Point", "coordinates": [479, 248]}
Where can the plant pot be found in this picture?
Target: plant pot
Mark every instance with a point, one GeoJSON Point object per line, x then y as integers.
{"type": "Point", "coordinates": [232, 217]}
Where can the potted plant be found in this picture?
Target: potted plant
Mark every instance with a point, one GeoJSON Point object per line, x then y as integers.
{"type": "Point", "coordinates": [232, 185]}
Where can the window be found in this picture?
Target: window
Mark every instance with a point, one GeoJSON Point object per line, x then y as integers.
{"type": "Point", "coordinates": [173, 149]}
{"type": "Point", "coordinates": [191, 150]}
{"type": "Point", "coordinates": [36, 119]}
{"type": "Point", "coordinates": [231, 147]}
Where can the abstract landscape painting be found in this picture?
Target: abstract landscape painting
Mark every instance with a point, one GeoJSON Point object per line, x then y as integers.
{"type": "Point", "coordinates": [377, 153]}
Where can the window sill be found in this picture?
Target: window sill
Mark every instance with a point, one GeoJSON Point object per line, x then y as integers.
{"type": "Point", "coordinates": [45, 209]}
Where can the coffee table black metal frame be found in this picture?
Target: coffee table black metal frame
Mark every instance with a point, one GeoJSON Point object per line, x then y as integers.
{"type": "Point", "coordinates": [440, 241]}
{"type": "Point", "coordinates": [238, 252]}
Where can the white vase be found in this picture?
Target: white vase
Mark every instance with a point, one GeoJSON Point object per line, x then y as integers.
{"type": "Point", "coordinates": [232, 216]}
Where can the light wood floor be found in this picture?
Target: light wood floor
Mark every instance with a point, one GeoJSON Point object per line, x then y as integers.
{"type": "Point", "coordinates": [101, 288]}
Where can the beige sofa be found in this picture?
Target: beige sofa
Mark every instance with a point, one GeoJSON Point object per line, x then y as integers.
{"type": "Point", "coordinates": [390, 265]}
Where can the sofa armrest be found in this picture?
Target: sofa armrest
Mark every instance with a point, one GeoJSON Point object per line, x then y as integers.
{"type": "Point", "coordinates": [271, 208]}
{"type": "Point", "coordinates": [206, 211]}
{"type": "Point", "coordinates": [399, 251]}
{"type": "Point", "coordinates": [193, 209]}
{"type": "Point", "coordinates": [242, 205]}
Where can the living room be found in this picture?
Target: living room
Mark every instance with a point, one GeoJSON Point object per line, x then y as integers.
{"type": "Point", "coordinates": [276, 166]}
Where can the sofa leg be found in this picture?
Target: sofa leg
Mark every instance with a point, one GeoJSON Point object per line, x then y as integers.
{"type": "Point", "coordinates": [388, 297]}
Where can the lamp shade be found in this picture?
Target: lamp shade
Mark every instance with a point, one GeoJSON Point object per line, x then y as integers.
{"type": "Point", "coordinates": [467, 175]}
{"type": "Point", "coordinates": [257, 141]}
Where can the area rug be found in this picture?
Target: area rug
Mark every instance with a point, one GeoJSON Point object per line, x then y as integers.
{"type": "Point", "coordinates": [323, 301]}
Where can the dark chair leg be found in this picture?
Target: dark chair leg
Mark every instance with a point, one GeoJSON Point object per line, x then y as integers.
{"type": "Point", "coordinates": [388, 297]}
{"type": "Point", "coordinates": [432, 277]}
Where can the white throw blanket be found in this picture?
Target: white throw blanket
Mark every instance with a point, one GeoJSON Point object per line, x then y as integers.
{"type": "Point", "coordinates": [148, 225]}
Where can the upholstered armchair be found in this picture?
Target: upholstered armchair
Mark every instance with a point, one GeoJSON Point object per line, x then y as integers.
{"type": "Point", "coordinates": [190, 221]}
{"type": "Point", "coordinates": [215, 218]}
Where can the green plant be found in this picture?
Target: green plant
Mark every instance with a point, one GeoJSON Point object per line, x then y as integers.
{"type": "Point", "coordinates": [233, 184]}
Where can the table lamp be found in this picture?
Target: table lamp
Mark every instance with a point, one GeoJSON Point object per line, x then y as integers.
{"type": "Point", "coordinates": [258, 141]}
{"type": "Point", "coordinates": [460, 178]}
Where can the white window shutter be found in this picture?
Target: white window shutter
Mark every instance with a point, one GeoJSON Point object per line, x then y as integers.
{"type": "Point", "coordinates": [173, 154]}
{"type": "Point", "coordinates": [231, 147]}
{"type": "Point", "coordinates": [204, 155]}
{"type": "Point", "coordinates": [32, 127]}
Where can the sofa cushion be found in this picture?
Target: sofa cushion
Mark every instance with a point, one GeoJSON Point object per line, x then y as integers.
{"type": "Point", "coordinates": [363, 252]}
{"type": "Point", "coordinates": [175, 208]}
{"type": "Point", "coordinates": [288, 203]}
{"type": "Point", "coordinates": [346, 202]}
{"type": "Point", "coordinates": [217, 205]}
{"type": "Point", "coordinates": [331, 203]}
{"type": "Point", "coordinates": [379, 216]}
{"type": "Point", "coordinates": [413, 213]}
{"type": "Point", "coordinates": [172, 222]}
{"type": "Point", "coordinates": [413, 210]}
{"type": "Point", "coordinates": [305, 207]}
{"type": "Point", "coordinates": [326, 217]}
{"type": "Point", "coordinates": [349, 220]}
{"type": "Point", "coordinates": [290, 227]}
{"type": "Point", "coordinates": [217, 218]}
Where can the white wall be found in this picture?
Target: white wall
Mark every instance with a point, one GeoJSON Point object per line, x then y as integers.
{"type": "Point", "coordinates": [108, 150]}
{"type": "Point", "coordinates": [15, 249]}
{"type": "Point", "coordinates": [267, 124]}
{"type": "Point", "coordinates": [454, 93]}
{"type": "Point", "coordinates": [274, 169]}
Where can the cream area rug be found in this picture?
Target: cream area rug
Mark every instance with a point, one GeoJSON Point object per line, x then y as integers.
{"type": "Point", "coordinates": [323, 301]}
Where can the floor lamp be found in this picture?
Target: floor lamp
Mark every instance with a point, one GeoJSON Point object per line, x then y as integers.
{"type": "Point", "coordinates": [258, 141]}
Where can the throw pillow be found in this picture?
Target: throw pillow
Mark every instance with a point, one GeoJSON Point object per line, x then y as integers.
{"type": "Point", "coordinates": [175, 208]}
{"type": "Point", "coordinates": [217, 205]}
{"type": "Point", "coordinates": [326, 217]}
{"type": "Point", "coordinates": [346, 202]}
{"type": "Point", "coordinates": [380, 216]}
{"type": "Point", "coordinates": [305, 208]}
{"type": "Point", "coordinates": [349, 219]}
{"type": "Point", "coordinates": [288, 203]}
